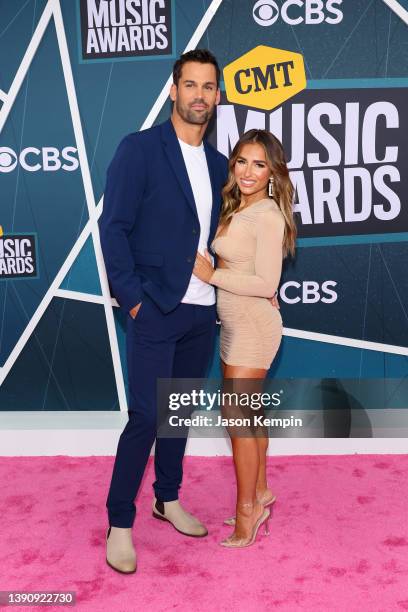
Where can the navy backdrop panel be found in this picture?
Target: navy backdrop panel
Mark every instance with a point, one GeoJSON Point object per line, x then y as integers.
{"type": "Point", "coordinates": [57, 346]}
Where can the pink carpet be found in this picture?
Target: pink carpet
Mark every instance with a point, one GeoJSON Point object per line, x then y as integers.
{"type": "Point", "coordinates": [338, 542]}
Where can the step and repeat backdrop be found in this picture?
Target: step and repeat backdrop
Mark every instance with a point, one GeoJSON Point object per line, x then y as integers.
{"type": "Point", "coordinates": [327, 77]}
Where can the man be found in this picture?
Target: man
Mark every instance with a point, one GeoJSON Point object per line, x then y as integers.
{"type": "Point", "coordinates": [161, 204]}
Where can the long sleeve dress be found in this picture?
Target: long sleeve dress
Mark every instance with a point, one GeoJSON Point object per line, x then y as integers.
{"type": "Point", "coordinates": [251, 248]}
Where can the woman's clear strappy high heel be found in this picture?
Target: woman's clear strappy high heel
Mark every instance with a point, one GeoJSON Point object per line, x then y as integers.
{"type": "Point", "coordinates": [268, 502]}
{"type": "Point", "coordinates": [232, 542]}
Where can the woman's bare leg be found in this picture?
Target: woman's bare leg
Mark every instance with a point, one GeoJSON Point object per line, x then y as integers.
{"type": "Point", "coordinates": [246, 455]}
{"type": "Point", "coordinates": [261, 483]}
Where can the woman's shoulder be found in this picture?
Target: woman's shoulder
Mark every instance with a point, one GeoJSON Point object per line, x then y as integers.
{"type": "Point", "coordinates": [269, 217]}
{"type": "Point", "coordinates": [264, 212]}
{"type": "Point", "coordinates": [267, 208]}
{"type": "Point", "coordinates": [267, 204]}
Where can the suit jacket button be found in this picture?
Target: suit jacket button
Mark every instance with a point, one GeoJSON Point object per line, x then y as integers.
{"type": "Point", "coordinates": [194, 231]}
{"type": "Point", "coordinates": [189, 259]}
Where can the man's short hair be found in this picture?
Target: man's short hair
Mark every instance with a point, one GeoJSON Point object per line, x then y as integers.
{"type": "Point", "coordinates": [203, 56]}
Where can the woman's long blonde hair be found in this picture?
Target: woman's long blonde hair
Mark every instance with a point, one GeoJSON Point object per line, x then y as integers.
{"type": "Point", "coordinates": [283, 191]}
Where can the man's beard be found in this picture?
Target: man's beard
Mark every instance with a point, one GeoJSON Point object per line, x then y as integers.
{"type": "Point", "coordinates": [191, 116]}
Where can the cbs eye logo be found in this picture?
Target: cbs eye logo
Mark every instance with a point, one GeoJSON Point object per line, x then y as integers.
{"type": "Point", "coordinates": [8, 159]}
{"type": "Point", "coordinates": [295, 12]}
{"type": "Point", "coordinates": [265, 12]}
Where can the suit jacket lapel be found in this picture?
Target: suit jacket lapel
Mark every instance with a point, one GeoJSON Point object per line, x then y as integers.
{"type": "Point", "coordinates": [176, 160]}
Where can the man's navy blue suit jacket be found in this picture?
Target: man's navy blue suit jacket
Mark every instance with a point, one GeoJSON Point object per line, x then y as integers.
{"type": "Point", "coordinates": [149, 225]}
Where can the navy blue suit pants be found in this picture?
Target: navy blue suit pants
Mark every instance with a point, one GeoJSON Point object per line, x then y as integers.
{"type": "Point", "coordinates": [178, 344]}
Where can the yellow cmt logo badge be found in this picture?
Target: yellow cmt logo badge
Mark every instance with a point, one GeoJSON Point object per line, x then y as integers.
{"type": "Point", "coordinates": [264, 77]}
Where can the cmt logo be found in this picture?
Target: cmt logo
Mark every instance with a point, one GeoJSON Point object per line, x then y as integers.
{"type": "Point", "coordinates": [308, 292]}
{"type": "Point", "coordinates": [264, 77]}
{"type": "Point", "coordinates": [31, 159]}
{"type": "Point", "coordinates": [294, 12]}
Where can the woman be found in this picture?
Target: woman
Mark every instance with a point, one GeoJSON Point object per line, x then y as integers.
{"type": "Point", "coordinates": [256, 231]}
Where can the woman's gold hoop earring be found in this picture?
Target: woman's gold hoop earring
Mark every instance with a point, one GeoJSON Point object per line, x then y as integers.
{"type": "Point", "coordinates": [270, 187]}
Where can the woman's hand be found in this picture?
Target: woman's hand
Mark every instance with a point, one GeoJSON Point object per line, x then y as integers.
{"type": "Point", "coordinates": [274, 300]}
{"type": "Point", "coordinates": [203, 268]}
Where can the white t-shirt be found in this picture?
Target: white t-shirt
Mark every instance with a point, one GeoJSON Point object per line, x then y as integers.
{"type": "Point", "coordinates": [199, 292]}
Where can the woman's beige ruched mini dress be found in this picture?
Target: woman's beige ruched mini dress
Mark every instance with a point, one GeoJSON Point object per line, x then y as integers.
{"type": "Point", "coordinates": [251, 248]}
